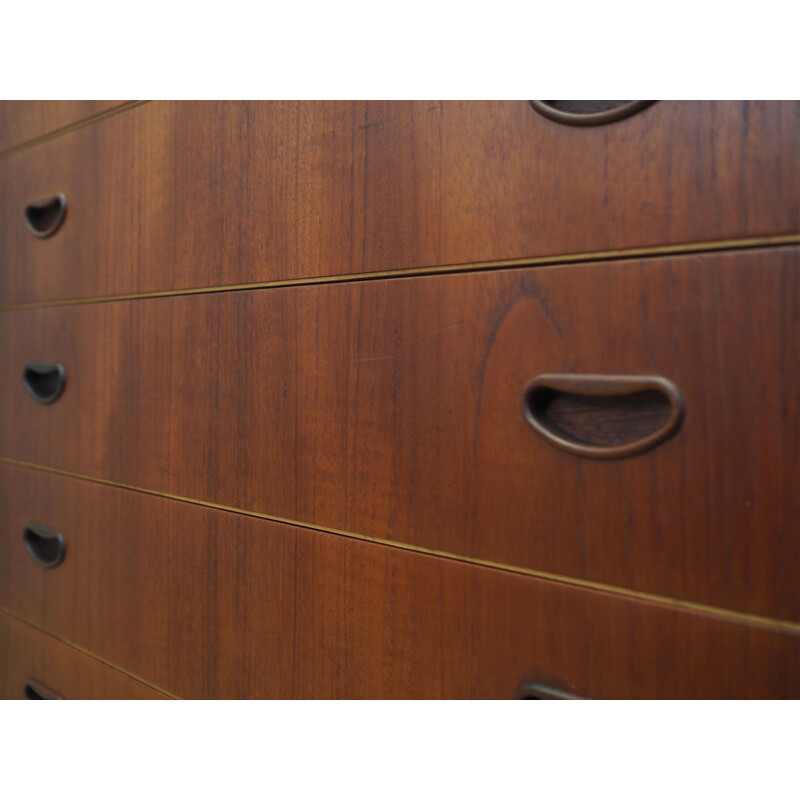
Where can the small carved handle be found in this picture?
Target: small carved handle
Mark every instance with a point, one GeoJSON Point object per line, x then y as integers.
{"type": "Point", "coordinates": [44, 217]}
{"type": "Point", "coordinates": [46, 546]}
{"type": "Point", "coordinates": [541, 691]}
{"type": "Point", "coordinates": [603, 416]}
{"type": "Point", "coordinates": [44, 380]}
{"type": "Point", "coordinates": [589, 112]}
{"type": "Point", "coordinates": [38, 691]}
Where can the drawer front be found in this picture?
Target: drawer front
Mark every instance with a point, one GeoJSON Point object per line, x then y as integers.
{"type": "Point", "coordinates": [394, 410]}
{"type": "Point", "coordinates": [21, 121]}
{"type": "Point", "coordinates": [34, 666]}
{"type": "Point", "coordinates": [185, 195]}
{"type": "Point", "coordinates": [207, 603]}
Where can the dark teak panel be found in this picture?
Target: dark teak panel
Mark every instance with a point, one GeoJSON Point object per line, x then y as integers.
{"type": "Point", "coordinates": [206, 603]}
{"type": "Point", "coordinates": [27, 655]}
{"type": "Point", "coordinates": [183, 195]}
{"type": "Point", "coordinates": [394, 409]}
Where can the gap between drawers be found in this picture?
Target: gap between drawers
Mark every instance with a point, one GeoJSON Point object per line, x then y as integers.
{"type": "Point", "coordinates": [785, 626]}
{"type": "Point", "coordinates": [88, 653]}
{"type": "Point", "coordinates": [689, 248]}
{"type": "Point", "coordinates": [82, 123]}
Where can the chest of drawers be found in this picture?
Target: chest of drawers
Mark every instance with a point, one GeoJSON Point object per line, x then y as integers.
{"type": "Point", "coordinates": [322, 400]}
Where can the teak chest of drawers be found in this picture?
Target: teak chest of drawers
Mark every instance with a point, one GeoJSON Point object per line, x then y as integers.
{"type": "Point", "coordinates": [413, 400]}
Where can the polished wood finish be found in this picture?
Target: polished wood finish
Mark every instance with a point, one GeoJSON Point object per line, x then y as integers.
{"type": "Point", "coordinates": [22, 121]}
{"type": "Point", "coordinates": [517, 479]}
{"type": "Point", "coordinates": [206, 603]}
{"type": "Point", "coordinates": [27, 655]}
{"type": "Point", "coordinates": [183, 195]}
{"type": "Point", "coordinates": [394, 409]}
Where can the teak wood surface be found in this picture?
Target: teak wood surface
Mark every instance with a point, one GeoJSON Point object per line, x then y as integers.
{"type": "Point", "coordinates": [206, 603]}
{"type": "Point", "coordinates": [392, 409]}
{"type": "Point", "coordinates": [22, 121]}
{"type": "Point", "coordinates": [27, 654]}
{"type": "Point", "coordinates": [183, 195]}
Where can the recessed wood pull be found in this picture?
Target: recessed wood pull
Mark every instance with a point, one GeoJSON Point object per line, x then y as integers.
{"type": "Point", "coordinates": [38, 691]}
{"type": "Point", "coordinates": [589, 112]}
{"type": "Point", "coordinates": [46, 546]}
{"type": "Point", "coordinates": [542, 691]}
{"type": "Point", "coordinates": [603, 416]}
{"type": "Point", "coordinates": [44, 217]}
{"type": "Point", "coordinates": [44, 380]}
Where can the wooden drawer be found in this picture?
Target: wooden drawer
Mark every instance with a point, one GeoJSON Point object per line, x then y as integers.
{"type": "Point", "coordinates": [185, 195]}
{"type": "Point", "coordinates": [206, 603]}
{"type": "Point", "coordinates": [22, 121]}
{"type": "Point", "coordinates": [34, 666]}
{"type": "Point", "coordinates": [394, 410]}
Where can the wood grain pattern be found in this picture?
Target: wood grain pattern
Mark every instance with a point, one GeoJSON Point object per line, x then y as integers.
{"type": "Point", "coordinates": [26, 653]}
{"type": "Point", "coordinates": [206, 603]}
{"type": "Point", "coordinates": [24, 120]}
{"type": "Point", "coordinates": [393, 409]}
{"type": "Point", "coordinates": [185, 195]}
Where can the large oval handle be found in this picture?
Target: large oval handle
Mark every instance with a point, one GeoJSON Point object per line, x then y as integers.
{"type": "Point", "coordinates": [44, 217]}
{"type": "Point", "coordinates": [603, 416]}
{"type": "Point", "coordinates": [38, 691]}
{"type": "Point", "coordinates": [44, 380]}
{"type": "Point", "coordinates": [46, 546]}
{"type": "Point", "coordinates": [589, 112]}
{"type": "Point", "coordinates": [543, 691]}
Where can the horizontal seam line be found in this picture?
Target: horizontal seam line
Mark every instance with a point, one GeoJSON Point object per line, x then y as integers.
{"type": "Point", "coordinates": [73, 126]}
{"type": "Point", "coordinates": [88, 653]}
{"type": "Point", "coordinates": [689, 605]}
{"type": "Point", "coordinates": [418, 272]}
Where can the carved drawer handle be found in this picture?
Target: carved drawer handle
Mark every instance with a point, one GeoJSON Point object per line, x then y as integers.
{"type": "Point", "coordinates": [44, 217]}
{"type": "Point", "coordinates": [542, 691]}
{"type": "Point", "coordinates": [589, 112]}
{"type": "Point", "coordinates": [38, 691]}
{"type": "Point", "coordinates": [44, 380]}
{"type": "Point", "coordinates": [603, 416]}
{"type": "Point", "coordinates": [46, 546]}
